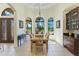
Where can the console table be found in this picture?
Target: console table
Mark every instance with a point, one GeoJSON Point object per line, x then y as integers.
{"type": "Point", "coordinates": [71, 43]}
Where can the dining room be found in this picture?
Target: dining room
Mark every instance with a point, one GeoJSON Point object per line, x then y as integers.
{"type": "Point", "coordinates": [37, 30]}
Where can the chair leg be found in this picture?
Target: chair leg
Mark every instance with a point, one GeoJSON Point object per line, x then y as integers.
{"type": "Point", "coordinates": [31, 46]}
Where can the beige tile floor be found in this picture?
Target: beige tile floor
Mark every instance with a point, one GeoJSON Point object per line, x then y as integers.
{"type": "Point", "coordinates": [25, 50]}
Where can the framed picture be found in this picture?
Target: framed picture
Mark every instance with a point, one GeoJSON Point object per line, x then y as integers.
{"type": "Point", "coordinates": [20, 24]}
{"type": "Point", "coordinates": [58, 24]}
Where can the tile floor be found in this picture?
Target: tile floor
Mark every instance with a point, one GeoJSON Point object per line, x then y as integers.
{"type": "Point", "coordinates": [25, 50]}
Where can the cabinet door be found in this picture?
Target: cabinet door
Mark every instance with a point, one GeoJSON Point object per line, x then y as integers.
{"type": "Point", "coordinates": [74, 18]}
{"type": "Point", "coordinates": [68, 21]}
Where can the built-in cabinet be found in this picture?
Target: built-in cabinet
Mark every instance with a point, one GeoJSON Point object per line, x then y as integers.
{"type": "Point", "coordinates": [71, 40]}
{"type": "Point", "coordinates": [72, 19]}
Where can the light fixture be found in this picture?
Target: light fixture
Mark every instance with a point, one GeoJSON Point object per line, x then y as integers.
{"type": "Point", "coordinates": [39, 10]}
{"type": "Point", "coordinates": [39, 13]}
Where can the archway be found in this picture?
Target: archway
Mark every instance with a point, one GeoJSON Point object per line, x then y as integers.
{"type": "Point", "coordinates": [39, 25]}
{"type": "Point", "coordinates": [7, 26]}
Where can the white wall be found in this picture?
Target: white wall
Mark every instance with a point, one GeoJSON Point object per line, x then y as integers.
{"type": "Point", "coordinates": [22, 12]}
{"type": "Point", "coordinates": [57, 13]}
{"type": "Point", "coordinates": [29, 12]}
{"type": "Point", "coordinates": [20, 16]}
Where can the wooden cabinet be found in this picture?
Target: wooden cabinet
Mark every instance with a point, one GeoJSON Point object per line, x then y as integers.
{"type": "Point", "coordinates": [72, 23]}
{"type": "Point", "coordinates": [71, 43]}
{"type": "Point", "coordinates": [72, 19]}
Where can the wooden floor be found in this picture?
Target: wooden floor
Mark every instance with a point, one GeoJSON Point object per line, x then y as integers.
{"type": "Point", "coordinates": [54, 49]}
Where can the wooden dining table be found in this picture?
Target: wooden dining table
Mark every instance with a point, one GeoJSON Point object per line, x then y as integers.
{"type": "Point", "coordinates": [35, 40]}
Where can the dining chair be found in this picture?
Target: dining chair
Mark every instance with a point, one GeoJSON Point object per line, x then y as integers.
{"type": "Point", "coordinates": [39, 45]}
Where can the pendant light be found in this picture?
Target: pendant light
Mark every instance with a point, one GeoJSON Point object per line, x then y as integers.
{"type": "Point", "coordinates": [39, 10]}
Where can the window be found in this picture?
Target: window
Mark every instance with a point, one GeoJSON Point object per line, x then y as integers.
{"type": "Point", "coordinates": [50, 25]}
{"type": "Point", "coordinates": [39, 25]}
{"type": "Point", "coordinates": [7, 12]}
{"type": "Point", "coordinates": [29, 25]}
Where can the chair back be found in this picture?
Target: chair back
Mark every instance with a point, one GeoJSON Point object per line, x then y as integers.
{"type": "Point", "coordinates": [47, 36]}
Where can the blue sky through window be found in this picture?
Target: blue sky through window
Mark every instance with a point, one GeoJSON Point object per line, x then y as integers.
{"type": "Point", "coordinates": [50, 24]}
{"type": "Point", "coordinates": [29, 25]}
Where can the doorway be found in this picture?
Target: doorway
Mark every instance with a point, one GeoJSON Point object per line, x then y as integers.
{"type": "Point", "coordinates": [6, 30]}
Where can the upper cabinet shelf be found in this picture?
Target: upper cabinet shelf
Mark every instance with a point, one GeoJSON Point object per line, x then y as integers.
{"type": "Point", "coordinates": [72, 19]}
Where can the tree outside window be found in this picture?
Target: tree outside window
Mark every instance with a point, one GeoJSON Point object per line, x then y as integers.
{"type": "Point", "coordinates": [50, 25]}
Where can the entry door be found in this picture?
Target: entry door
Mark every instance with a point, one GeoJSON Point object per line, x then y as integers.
{"type": "Point", "coordinates": [0, 30]}
{"type": "Point", "coordinates": [6, 30]}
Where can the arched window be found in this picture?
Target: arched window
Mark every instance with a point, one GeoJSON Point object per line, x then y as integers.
{"type": "Point", "coordinates": [7, 12]}
{"type": "Point", "coordinates": [50, 25]}
{"type": "Point", "coordinates": [29, 25]}
{"type": "Point", "coordinates": [39, 25]}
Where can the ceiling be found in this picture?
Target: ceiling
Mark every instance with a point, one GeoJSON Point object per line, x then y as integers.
{"type": "Point", "coordinates": [42, 5]}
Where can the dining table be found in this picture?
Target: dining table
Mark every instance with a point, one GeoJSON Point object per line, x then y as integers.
{"type": "Point", "coordinates": [39, 39]}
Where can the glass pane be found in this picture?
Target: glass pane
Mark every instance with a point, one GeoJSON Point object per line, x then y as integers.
{"type": "Point", "coordinates": [29, 27]}
{"type": "Point", "coordinates": [50, 25]}
{"type": "Point", "coordinates": [40, 25]}
{"type": "Point", "coordinates": [7, 12]}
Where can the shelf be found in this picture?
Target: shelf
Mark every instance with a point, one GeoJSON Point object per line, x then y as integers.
{"type": "Point", "coordinates": [72, 19]}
